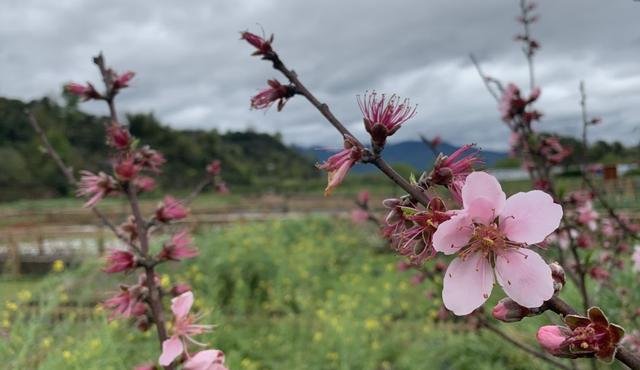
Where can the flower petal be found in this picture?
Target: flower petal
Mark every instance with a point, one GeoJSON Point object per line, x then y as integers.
{"type": "Point", "coordinates": [453, 234]}
{"type": "Point", "coordinates": [171, 348]}
{"type": "Point", "coordinates": [181, 304]}
{"type": "Point", "coordinates": [530, 217]}
{"type": "Point", "coordinates": [525, 277]}
{"type": "Point", "coordinates": [467, 284]}
{"type": "Point", "coordinates": [204, 360]}
{"type": "Point", "coordinates": [482, 197]}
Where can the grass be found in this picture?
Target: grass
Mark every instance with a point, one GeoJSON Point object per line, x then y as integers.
{"type": "Point", "coordinates": [304, 294]}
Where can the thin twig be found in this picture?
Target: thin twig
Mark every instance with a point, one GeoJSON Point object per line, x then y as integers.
{"type": "Point", "coordinates": [523, 347]}
{"type": "Point", "coordinates": [415, 192]}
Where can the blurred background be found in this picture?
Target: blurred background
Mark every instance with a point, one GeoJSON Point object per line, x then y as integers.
{"type": "Point", "coordinates": [289, 281]}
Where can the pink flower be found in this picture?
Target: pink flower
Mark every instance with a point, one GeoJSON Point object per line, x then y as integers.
{"type": "Point", "coordinates": [275, 92]}
{"type": "Point", "coordinates": [184, 328]}
{"type": "Point", "coordinates": [339, 164]}
{"type": "Point", "coordinates": [452, 170]}
{"type": "Point", "coordinates": [490, 234]}
{"type": "Point", "coordinates": [144, 183]}
{"type": "Point", "coordinates": [587, 215]}
{"type": "Point", "coordinates": [126, 169]}
{"type": "Point", "coordinates": [86, 92]}
{"type": "Point", "coordinates": [636, 258]}
{"type": "Point", "coordinates": [416, 241]}
{"type": "Point", "coordinates": [180, 288]}
{"type": "Point", "coordinates": [211, 359]}
{"type": "Point", "coordinates": [583, 336]}
{"type": "Point", "coordinates": [179, 248]}
{"type": "Point", "coordinates": [118, 136]}
{"type": "Point", "coordinates": [129, 302]}
{"type": "Point", "coordinates": [263, 47]}
{"type": "Point", "coordinates": [123, 80]}
{"type": "Point", "coordinates": [382, 116]}
{"type": "Point", "coordinates": [119, 261]}
{"type": "Point", "coordinates": [96, 186]}
{"type": "Point", "coordinates": [170, 209]}
{"type": "Point", "coordinates": [511, 104]}
{"type": "Point", "coordinates": [149, 158]}
{"type": "Point", "coordinates": [214, 167]}
{"type": "Point", "coordinates": [553, 151]}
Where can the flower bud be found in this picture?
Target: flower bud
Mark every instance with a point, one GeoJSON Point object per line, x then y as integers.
{"type": "Point", "coordinates": [553, 339]}
{"type": "Point", "coordinates": [509, 311]}
{"type": "Point", "coordinates": [557, 273]}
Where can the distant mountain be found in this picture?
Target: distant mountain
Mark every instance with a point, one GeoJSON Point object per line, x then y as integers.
{"type": "Point", "coordinates": [412, 153]}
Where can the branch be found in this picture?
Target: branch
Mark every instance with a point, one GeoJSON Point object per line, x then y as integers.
{"type": "Point", "coordinates": [523, 347]}
{"type": "Point", "coordinates": [323, 108]}
{"type": "Point", "coordinates": [68, 173]}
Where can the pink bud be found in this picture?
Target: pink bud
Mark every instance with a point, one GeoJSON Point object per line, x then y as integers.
{"type": "Point", "coordinates": [553, 338]}
{"type": "Point", "coordinates": [509, 311]}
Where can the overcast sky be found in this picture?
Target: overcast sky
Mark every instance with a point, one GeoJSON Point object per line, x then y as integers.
{"type": "Point", "coordinates": [192, 71]}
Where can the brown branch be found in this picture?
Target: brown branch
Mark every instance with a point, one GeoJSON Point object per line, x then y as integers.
{"type": "Point", "coordinates": [323, 108]}
{"type": "Point", "coordinates": [68, 173]}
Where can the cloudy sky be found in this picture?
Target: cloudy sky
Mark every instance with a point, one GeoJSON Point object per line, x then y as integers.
{"type": "Point", "coordinates": [192, 71]}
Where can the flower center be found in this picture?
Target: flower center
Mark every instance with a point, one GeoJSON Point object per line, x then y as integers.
{"type": "Point", "coordinates": [488, 240]}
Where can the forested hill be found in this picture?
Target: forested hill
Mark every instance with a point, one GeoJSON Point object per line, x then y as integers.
{"type": "Point", "coordinates": [249, 159]}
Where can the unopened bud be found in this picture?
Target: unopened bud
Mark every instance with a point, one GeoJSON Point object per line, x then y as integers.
{"type": "Point", "coordinates": [553, 339]}
{"type": "Point", "coordinates": [557, 273]}
{"type": "Point", "coordinates": [508, 310]}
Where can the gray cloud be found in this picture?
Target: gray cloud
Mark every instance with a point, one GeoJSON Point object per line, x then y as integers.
{"type": "Point", "coordinates": [193, 71]}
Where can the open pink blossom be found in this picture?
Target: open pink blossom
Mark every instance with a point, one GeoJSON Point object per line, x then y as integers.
{"type": "Point", "coordinates": [490, 235]}
{"type": "Point", "coordinates": [178, 248]}
{"type": "Point", "coordinates": [171, 209]}
{"type": "Point", "coordinates": [96, 186]}
{"type": "Point", "coordinates": [183, 329]}
{"type": "Point", "coordinates": [211, 359]}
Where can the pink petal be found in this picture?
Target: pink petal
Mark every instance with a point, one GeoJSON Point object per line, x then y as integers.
{"type": "Point", "coordinates": [171, 348]}
{"type": "Point", "coordinates": [525, 277]}
{"type": "Point", "coordinates": [453, 234]}
{"type": "Point", "coordinates": [467, 284]}
{"type": "Point", "coordinates": [181, 304]}
{"type": "Point", "coordinates": [530, 217]}
{"type": "Point", "coordinates": [204, 360]}
{"type": "Point", "coordinates": [482, 197]}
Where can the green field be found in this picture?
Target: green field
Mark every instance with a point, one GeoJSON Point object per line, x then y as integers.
{"type": "Point", "coordinates": [308, 294]}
